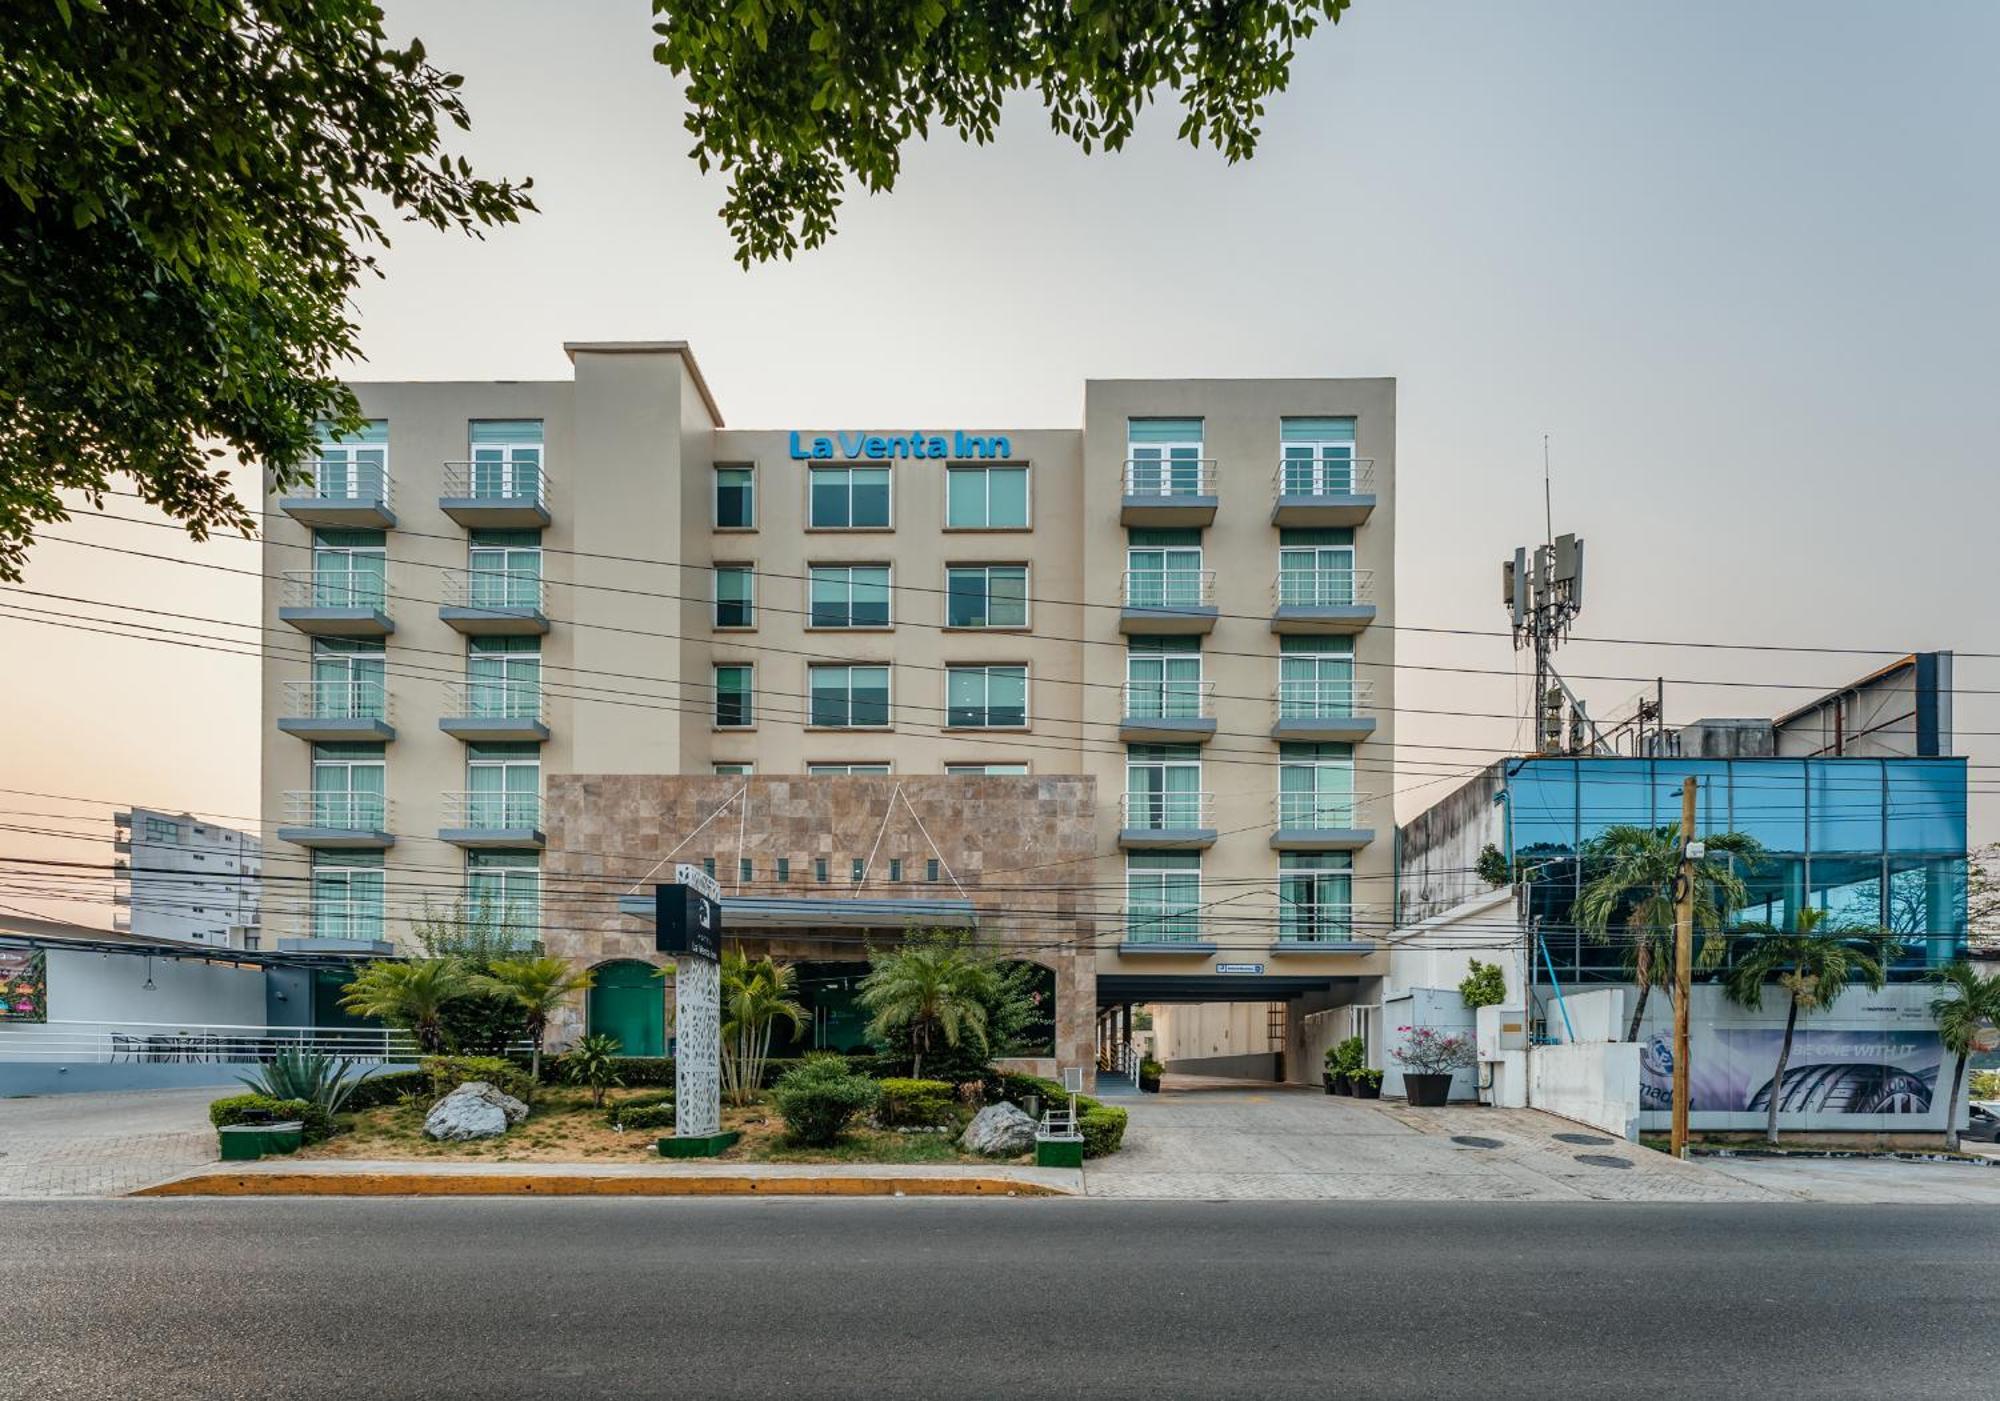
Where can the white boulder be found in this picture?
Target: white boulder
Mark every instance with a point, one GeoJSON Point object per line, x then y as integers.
{"type": "Point", "coordinates": [473, 1110]}
{"type": "Point", "coordinates": [999, 1131]}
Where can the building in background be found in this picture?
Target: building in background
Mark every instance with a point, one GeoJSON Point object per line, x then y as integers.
{"type": "Point", "coordinates": [182, 878]}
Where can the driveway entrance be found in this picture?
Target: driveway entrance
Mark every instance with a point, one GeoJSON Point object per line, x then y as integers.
{"type": "Point", "coordinates": [1218, 1139]}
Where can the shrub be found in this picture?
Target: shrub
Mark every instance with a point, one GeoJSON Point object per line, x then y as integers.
{"type": "Point", "coordinates": [389, 1087]}
{"type": "Point", "coordinates": [1347, 1057]}
{"type": "Point", "coordinates": [593, 1062]}
{"type": "Point", "coordinates": [1103, 1130]}
{"type": "Point", "coordinates": [651, 1113]}
{"type": "Point", "coordinates": [1151, 1069]}
{"type": "Point", "coordinates": [820, 1097]}
{"type": "Point", "coordinates": [264, 1109]}
{"type": "Point", "coordinates": [1433, 1052]}
{"type": "Point", "coordinates": [447, 1073]}
{"type": "Point", "coordinates": [1484, 986]}
{"type": "Point", "coordinates": [638, 1071]}
{"type": "Point", "coordinates": [323, 1081]}
{"type": "Point", "coordinates": [1365, 1076]}
{"type": "Point", "coordinates": [915, 1104]}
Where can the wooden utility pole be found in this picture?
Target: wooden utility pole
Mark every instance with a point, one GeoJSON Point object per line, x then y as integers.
{"type": "Point", "coordinates": [1683, 967]}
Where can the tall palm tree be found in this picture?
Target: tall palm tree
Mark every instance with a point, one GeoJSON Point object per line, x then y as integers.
{"type": "Point", "coordinates": [756, 995]}
{"type": "Point", "coordinates": [412, 995]}
{"type": "Point", "coordinates": [538, 986]}
{"type": "Point", "coordinates": [936, 990]}
{"type": "Point", "coordinates": [1968, 1005]}
{"type": "Point", "coordinates": [1636, 870]}
{"type": "Point", "coordinates": [1814, 966]}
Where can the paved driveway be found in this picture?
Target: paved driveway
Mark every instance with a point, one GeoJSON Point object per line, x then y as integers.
{"type": "Point", "coordinates": [1219, 1140]}
{"type": "Point", "coordinates": [96, 1145]}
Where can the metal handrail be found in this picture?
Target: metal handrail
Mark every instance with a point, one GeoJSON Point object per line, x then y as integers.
{"type": "Point", "coordinates": [1337, 922]}
{"type": "Point", "coordinates": [345, 810]}
{"type": "Point", "coordinates": [1325, 476]}
{"type": "Point", "coordinates": [343, 479]}
{"type": "Point", "coordinates": [510, 480]}
{"type": "Point", "coordinates": [1324, 699]}
{"type": "Point", "coordinates": [337, 700]}
{"type": "Point", "coordinates": [360, 920]}
{"type": "Point", "coordinates": [1144, 928]}
{"type": "Point", "coordinates": [1167, 588]}
{"type": "Point", "coordinates": [196, 1042]}
{"type": "Point", "coordinates": [1169, 477]}
{"type": "Point", "coordinates": [1324, 588]}
{"type": "Point", "coordinates": [318, 588]}
{"type": "Point", "coordinates": [495, 700]}
{"type": "Point", "coordinates": [1167, 812]}
{"type": "Point", "coordinates": [503, 590]}
{"type": "Point", "coordinates": [1169, 700]}
{"type": "Point", "coordinates": [492, 812]}
{"type": "Point", "coordinates": [1318, 812]}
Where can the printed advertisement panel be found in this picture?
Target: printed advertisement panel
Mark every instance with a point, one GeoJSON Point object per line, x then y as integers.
{"type": "Point", "coordinates": [1830, 1071]}
{"type": "Point", "coordinates": [24, 990]}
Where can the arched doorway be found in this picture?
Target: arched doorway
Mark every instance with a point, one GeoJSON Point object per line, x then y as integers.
{"type": "Point", "coordinates": [629, 1001]}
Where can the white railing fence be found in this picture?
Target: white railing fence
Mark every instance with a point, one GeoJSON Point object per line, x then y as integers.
{"type": "Point", "coordinates": [1169, 477]}
{"type": "Point", "coordinates": [1322, 587]}
{"type": "Point", "coordinates": [494, 588]}
{"type": "Point", "coordinates": [186, 1043]}
{"type": "Point", "coordinates": [1170, 700]}
{"type": "Point", "coordinates": [1168, 588]}
{"type": "Point", "coordinates": [1168, 811]}
{"type": "Point", "coordinates": [1326, 475]}
{"type": "Point", "coordinates": [354, 811]}
{"type": "Point", "coordinates": [338, 700]}
{"type": "Point", "coordinates": [334, 588]}
{"type": "Point", "coordinates": [1324, 698]}
{"type": "Point", "coordinates": [517, 481]}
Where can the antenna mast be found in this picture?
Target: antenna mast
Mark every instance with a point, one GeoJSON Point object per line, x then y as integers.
{"type": "Point", "coordinates": [1543, 592]}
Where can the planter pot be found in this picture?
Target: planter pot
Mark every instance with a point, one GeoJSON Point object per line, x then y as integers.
{"type": "Point", "coordinates": [1327, 1080]}
{"type": "Point", "coordinates": [1367, 1089]}
{"type": "Point", "coordinates": [1149, 1084]}
{"type": "Point", "coordinates": [1427, 1091]}
{"type": "Point", "coordinates": [1343, 1086]}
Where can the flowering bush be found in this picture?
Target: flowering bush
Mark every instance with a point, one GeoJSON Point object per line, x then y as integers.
{"type": "Point", "coordinates": [1432, 1052]}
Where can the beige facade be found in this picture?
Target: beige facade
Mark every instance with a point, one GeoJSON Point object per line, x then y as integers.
{"type": "Point", "coordinates": [630, 557]}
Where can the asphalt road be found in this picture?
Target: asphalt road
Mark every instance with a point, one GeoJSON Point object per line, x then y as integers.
{"type": "Point", "coordinates": [811, 1299]}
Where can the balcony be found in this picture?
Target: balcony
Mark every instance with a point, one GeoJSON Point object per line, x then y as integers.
{"type": "Point", "coordinates": [1324, 491]}
{"type": "Point", "coordinates": [1319, 822]}
{"type": "Point", "coordinates": [1169, 492]}
{"type": "Point", "coordinates": [341, 494]}
{"type": "Point", "coordinates": [333, 711]}
{"type": "Point", "coordinates": [507, 495]}
{"type": "Point", "coordinates": [337, 821]}
{"type": "Point", "coordinates": [499, 711]}
{"type": "Point", "coordinates": [495, 603]}
{"type": "Point", "coordinates": [1150, 933]}
{"type": "Point", "coordinates": [481, 820]}
{"type": "Point", "coordinates": [1156, 601]}
{"type": "Point", "coordinates": [1183, 821]}
{"type": "Point", "coordinates": [334, 926]}
{"type": "Point", "coordinates": [1167, 712]}
{"type": "Point", "coordinates": [1325, 710]}
{"type": "Point", "coordinates": [1320, 929]}
{"type": "Point", "coordinates": [337, 603]}
{"type": "Point", "coordinates": [1323, 600]}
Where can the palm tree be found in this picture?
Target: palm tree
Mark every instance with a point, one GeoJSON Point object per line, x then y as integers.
{"type": "Point", "coordinates": [538, 986]}
{"type": "Point", "coordinates": [1637, 868]}
{"type": "Point", "coordinates": [1969, 1005]}
{"type": "Point", "coordinates": [934, 989]}
{"type": "Point", "coordinates": [412, 995]}
{"type": "Point", "coordinates": [756, 995]}
{"type": "Point", "coordinates": [1814, 966]}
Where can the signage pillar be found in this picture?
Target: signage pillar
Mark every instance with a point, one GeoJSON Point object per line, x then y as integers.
{"type": "Point", "coordinates": [688, 924]}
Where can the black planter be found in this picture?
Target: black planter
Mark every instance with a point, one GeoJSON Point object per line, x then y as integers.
{"type": "Point", "coordinates": [1367, 1089]}
{"type": "Point", "coordinates": [1149, 1084]}
{"type": "Point", "coordinates": [1327, 1080]}
{"type": "Point", "coordinates": [1427, 1091]}
{"type": "Point", "coordinates": [1343, 1086]}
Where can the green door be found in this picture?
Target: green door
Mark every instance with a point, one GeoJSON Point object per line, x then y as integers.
{"type": "Point", "coordinates": [627, 1001]}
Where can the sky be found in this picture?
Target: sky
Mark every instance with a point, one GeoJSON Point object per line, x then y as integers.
{"type": "Point", "coordinates": [1736, 263]}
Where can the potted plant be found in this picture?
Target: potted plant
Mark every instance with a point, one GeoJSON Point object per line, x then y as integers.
{"type": "Point", "coordinates": [1367, 1083]}
{"type": "Point", "coordinates": [1428, 1058]}
{"type": "Point", "coordinates": [1332, 1077]}
{"type": "Point", "coordinates": [1150, 1072]}
{"type": "Point", "coordinates": [1349, 1056]}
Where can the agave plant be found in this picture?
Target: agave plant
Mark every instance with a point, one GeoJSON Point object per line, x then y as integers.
{"type": "Point", "coordinates": [321, 1080]}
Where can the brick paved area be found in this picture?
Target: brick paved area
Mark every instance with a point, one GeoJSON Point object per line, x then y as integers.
{"type": "Point", "coordinates": [98, 1145]}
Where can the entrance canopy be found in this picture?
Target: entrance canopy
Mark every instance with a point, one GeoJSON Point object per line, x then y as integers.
{"type": "Point", "coordinates": [1114, 989]}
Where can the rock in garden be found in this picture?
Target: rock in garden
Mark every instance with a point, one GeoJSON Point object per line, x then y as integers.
{"type": "Point", "coordinates": [506, 1103]}
{"type": "Point", "coordinates": [460, 1116]}
{"type": "Point", "coordinates": [999, 1131]}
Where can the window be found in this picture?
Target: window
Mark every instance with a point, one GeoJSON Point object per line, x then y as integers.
{"type": "Point", "coordinates": [848, 697]}
{"type": "Point", "coordinates": [1316, 678]}
{"type": "Point", "coordinates": [505, 569]}
{"type": "Point", "coordinates": [1163, 786]}
{"type": "Point", "coordinates": [1316, 786]}
{"type": "Point", "coordinates": [347, 679]}
{"type": "Point", "coordinates": [1316, 568]}
{"type": "Point", "coordinates": [1163, 457]}
{"type": "Point", "coordinates": [1318, 456]}
{"type": "Point", "coordinates": [348, 787]}
{"type": "Point", "coordinates": [1163, 678]}
{"type": "Point", "coordinates": [354, 467]}
{"type": "Point", "coordinates": [745, 871]}
{"type": "Point", "coordinates": [347, 895]}
{"type": "Point", "coordinates": [160, 829]}
{"type": "Point", "coordinates": [931, 870]}
{"type": "Point", "coordinates": [819, 869]}
{"type": "Point", "coordinates": [708, 865]}
{"type": "Point", "coordinates": [735, 596]}
{"type": "Point", "coordinates": [986, 596]}
{"type": "Point", "coordinates": [858, 870]}
{"type": "Point", "coordinates": [507, 459]}
{"type": "Point", "coordinates": [1315, 896]}
{"type": "Point", "coordinates": [503, 787]}
{"type": "Point", "coordinates": [849, 596]}
{"type": "Point", "coordinates": [735, 498]}
{"type": "Point", "coordinates": [983, 770]}
{"type": "Point", "coordinates": [849, 498]}
{"type": "Point", "coordinates": [504, 890]}
{"type": "Point", "coordinates": [835, 770]}
{"type": "Point", "coordinates": [504, 678]}
{"type": "Point", "coordinates": [349, 568]}
{"type": "Point", "coordinates": [784, 870]}
{"type": "Point", "coordinates": [735, 699]}
{"type": "Point", "coordinates": [986, 498]}
{"type": "Point", "coordinates": [1163, 569]}
{"type": "Point", "coordinates": [1163, 897]}
{"type": "Point", "coordinates": [986, 697]}
{"type": "Point", "coordinates": [739, 770]}
{"type": "Point", "coordinates": [895, 870]}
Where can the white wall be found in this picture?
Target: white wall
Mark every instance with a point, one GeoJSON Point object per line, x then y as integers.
{"type": "Point", "coordinates": [1595, 1083]}
{"type": "Point", "coordinates": [1440, 1009]}
{"type": "Point", "coordinates": [1438, 952]}
{"type": "Point", "coordinates": [110, 988]}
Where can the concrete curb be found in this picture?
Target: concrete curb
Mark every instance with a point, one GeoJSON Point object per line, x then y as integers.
{"type": "Point", "coordinates": [303, 1182]}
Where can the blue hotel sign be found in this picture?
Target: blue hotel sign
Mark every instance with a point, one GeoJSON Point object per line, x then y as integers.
{"type": "Point", "coordinates": [875, 447]}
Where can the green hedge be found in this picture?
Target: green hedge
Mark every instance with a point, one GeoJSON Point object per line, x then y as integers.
{"type": "Point", "coordinates": [1103, 1130]}
{"type": "Point", "coordinates": [642, 1114]}
{"type": "Point", "coordinates": [262, 1109]}
{"type": "Point", "coordinates": [644, 1071]}
{"type": "Point", "coordinates": [915, 1104]}
{"type": "Point", "coordinates": [389, 1087]}
{"type": "Point", "coordinates": [447, 1073]}
{"type": "Point", "coordinates": [820, 1097]}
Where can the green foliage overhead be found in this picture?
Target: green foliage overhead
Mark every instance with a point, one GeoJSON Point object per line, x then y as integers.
{"type": "Point", "coordinates": [792, 99]}
{"type": "Point", "coordinates": [190, 191]}
{"type": "Point", "coordinates": [1484, 986]}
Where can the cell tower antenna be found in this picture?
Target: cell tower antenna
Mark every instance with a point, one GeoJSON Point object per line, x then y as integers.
{"type": "Point", "coordinates": [1548, 497]}
{"type": "Point", "coordinates": [1542, 589]}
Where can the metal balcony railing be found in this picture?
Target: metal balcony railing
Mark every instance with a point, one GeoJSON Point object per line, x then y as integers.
{"type": "Point", "coordinates": [1318, 812]}
{"type": "Point", "coordinates": [1168, 812]}
{"type": "Point", "coordinates": [507, 482]}
{"type": "Point", "coordinates": [1326, 476]}
{"type": "Point", "coordinates": [493, 812]}
{"type": "Point", "coordinates": [495, 700]}
{"type": "Point", "coordinates": [498, 589]}
{"type": "Point", "coordinates": [1320, 587]}
{"type": "Point", "coordinates": [180, 1043]}
{"type": "Point", "coordinates": [1315, 923]}
{"type": "Point", "coordinates": [343, 479]}
{"type": "Point", "coordinates": [1168, 588]}
{"type": "Point", "coordinates": [357, 920]}
{"type": "Point", "coordinates": [1151, 924]}
{"type": "Point", "coordinates": [1321, 698]}
{"type": "Point", "coordinates": [1168, 478]}
{"type": "Point", "coordinates": [1169, 700]}
{"type": "Point", "coordinates": [337, 700]}
{"type": "Point", "coordinates": [339, 588]}
{"type": "Point", "coordinates": [342, 809]}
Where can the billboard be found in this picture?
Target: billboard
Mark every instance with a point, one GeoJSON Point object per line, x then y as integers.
{"type": "Point", "coordinates": [24, 987]}
{"type": "Point", "coordinates": [1830, 1072]}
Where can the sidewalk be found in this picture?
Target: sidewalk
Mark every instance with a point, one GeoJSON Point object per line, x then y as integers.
{"type": "Point", "coordinates": [102, 1144]}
